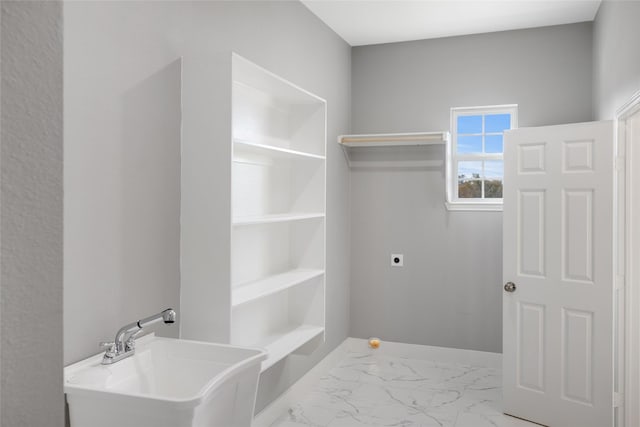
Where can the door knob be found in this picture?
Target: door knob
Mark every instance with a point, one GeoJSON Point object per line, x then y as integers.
{"type": "Point", "coordinates": [509, 286]}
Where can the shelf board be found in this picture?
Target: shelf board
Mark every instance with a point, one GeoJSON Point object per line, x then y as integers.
{"type": "Point", "coordinates": [423, 150]}
{"type": "Point", "coordinates": [393, 139]}
{"type": "Point", "coordinates": [284, 342]}
{"type": "Point", "coordinates": [251, 147]}
{"type": "Point", "coordinates": [273, 218]}
{"type": "Point", "coordinates": [264, 287]}
{"type": "Point", "coordinates": [247, 73]}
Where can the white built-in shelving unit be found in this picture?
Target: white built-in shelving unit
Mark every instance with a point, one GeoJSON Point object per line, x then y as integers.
{"type": "Point", "coordinates": [276, 243]}
{"type": "Point", "coordinates": [404, 150]}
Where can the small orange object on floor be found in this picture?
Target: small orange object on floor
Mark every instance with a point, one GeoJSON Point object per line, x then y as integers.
{"type": "Point", "coordinates": [374, 342]}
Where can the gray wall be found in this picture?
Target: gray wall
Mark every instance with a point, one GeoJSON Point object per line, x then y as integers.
{"type": "Point", "coordinates": [31, 212]}
{"type": "Point", "coordinates": [122, 161]}
{"type": "Point", "coordinates": [449, 292]}
{"type": "Point", "coordinates": [616, 66]}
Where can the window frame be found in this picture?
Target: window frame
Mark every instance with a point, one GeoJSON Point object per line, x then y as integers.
{"type": "Point", "coordinates": [453, 202]}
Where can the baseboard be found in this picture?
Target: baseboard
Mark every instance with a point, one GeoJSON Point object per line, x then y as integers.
{"type": "Point", "coordinates": [426, 352]}
{"type": "Point", "coordinates": [356, 345]}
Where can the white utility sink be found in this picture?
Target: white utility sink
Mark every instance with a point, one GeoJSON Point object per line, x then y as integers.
{"type": "Point", "coordinates": [167, 383]}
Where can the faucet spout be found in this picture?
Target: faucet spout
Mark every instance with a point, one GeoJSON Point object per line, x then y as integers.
{"type": "Point", "coordinates": [124, 345]}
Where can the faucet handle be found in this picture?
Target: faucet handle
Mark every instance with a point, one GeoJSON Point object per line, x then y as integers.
{"type": "Point", "coordinates": [130, 343]}
{"type": "Point", "coordinates": [110, 352]}
{"type": "Point", "coordinates": [109, 347]}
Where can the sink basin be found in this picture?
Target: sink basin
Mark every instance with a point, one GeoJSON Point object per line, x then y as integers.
{"type": "Point", "coordinates": [167, 382]}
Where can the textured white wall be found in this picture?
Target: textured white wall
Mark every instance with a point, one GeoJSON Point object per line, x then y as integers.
{"type": "Point", "coordinates": [449, 291]}
{"type": "Point", "coordinates": [616, 65]}
{"type": "Point", "coordinates": [31, 215]}
{"type": "Point", "coordinates": [122, 153]}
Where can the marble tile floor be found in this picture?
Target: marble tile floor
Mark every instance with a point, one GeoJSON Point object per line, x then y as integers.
{"type": "Point", "coordinates": [378, 390]}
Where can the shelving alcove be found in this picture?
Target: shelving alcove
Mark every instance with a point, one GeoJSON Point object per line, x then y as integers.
{"type": "Point", "coordinates": [253, 208]}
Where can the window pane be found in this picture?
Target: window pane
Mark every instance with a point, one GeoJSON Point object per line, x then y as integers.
{"type": "Point", "coordinates": [497, 122]}
{"type": "Point", "coordinates": [469, 180]}
{"type": "Point", "coordinates": [493, 169]}
{"type": "Point", "coordinates": [470, 189]}
{"type": "Point", "coordinates": [493, 172]}
{"type": "Point", "coordinates": [469, 144]}
{"type": "Point", "coordinates": [493, 189]}
{"type": "Point", "coordinates": [469, 124]}
{"type": "Point", "coordinates": [469, 170]}
{"type": "Point", "coordinates": [493, 144]}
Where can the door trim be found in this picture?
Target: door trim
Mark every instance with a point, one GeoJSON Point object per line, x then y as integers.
{"type": "Point", "coordinates": [627, 333]}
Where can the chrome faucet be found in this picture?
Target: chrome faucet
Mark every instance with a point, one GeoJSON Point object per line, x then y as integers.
{"type": "Point", "coordinates": [124, 344]}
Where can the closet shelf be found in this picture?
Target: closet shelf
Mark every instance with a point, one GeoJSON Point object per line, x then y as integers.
{"type": "Point", "coordinates": [248, 147]}
{"type": "Point", "coordinates": [284, 342]}
{"type": "Point", "coordinates": [264, 287]}
{"type": "Point", "coordinates": [393, 139]}
{"type": "Point", "coordinates": [273, 218]}
{"type": "Point", "coordinates": [395, 150]}
{"type": "Point", "coordinates": [271, 85]}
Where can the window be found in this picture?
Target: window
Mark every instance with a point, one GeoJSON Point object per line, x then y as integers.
{"type": "Point", "coordinates": [475, 165]}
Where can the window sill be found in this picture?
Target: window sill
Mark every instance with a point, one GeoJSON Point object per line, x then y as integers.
{"type": "Point", "coordinates": [470, 206]}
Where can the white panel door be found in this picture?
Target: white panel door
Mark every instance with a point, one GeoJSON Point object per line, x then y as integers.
{"type": "Point", "coordinates": [557, 298]}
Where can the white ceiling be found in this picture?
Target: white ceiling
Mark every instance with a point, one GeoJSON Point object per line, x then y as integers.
{"type": "Point", "coordinates": [362, 22]}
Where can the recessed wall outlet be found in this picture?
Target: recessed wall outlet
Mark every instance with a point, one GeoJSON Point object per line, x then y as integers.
{"type": "Point", "coordinates": [397, 260]}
